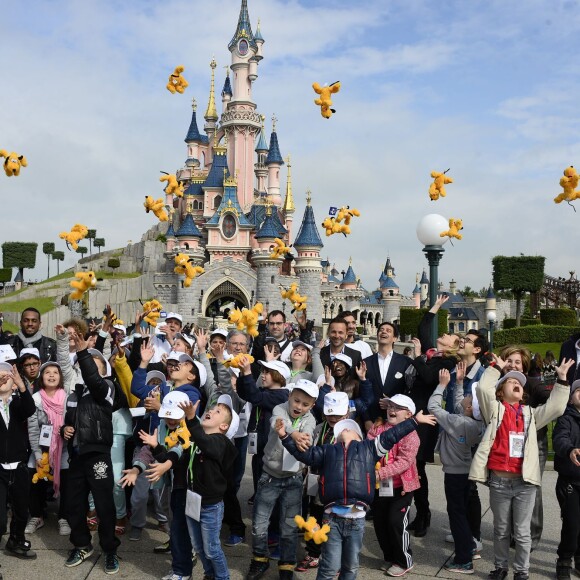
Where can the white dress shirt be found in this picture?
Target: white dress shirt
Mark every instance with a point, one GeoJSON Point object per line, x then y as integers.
{"type": "Point", "coordinates": [384, 363]}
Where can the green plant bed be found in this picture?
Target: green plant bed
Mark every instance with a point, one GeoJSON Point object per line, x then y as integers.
{"type": "Point", "coordinates": [41, 304]}
{"type": "Point", "coordinates": [540, 347]}
{"type": "Point", "coordinates": [116, 275]}
{"type": "Point", "coordinates": [6, 326]}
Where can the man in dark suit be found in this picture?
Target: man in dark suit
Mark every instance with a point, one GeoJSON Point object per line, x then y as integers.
{"type": "Point", "coordinates": [386, 368]}
{"type": "Point", "coordinates": [337, 331]}
{"type": "Point", "coordinates": [569, 349]}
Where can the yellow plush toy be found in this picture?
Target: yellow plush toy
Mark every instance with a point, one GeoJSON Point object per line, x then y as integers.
{"type": "Point", "coordinates": [569, 182]}
{"type": "Point", "coordinates": [245, 319]}
{"type": "Point", "coordinates": [291, 294]}
{"type": "Point", "coordinates": [176, 82]}
{"type": "Point", "coordinates": [43, 472]}
{"type": "Point", "coordinates": [341, 223]}
{"type": "Point", "coordinates": [312, 530]}
{"type": "Point", "coordinates": [325, 101]}
{"type": "Point", "coordinates": [77, 233]}
{"type": "Point", "coordinates": [173, 186]}
{"type": "Point", "coordinates": [86, 281]}
{"type": "Point", "coordinates": [157, 207]}
{"type": "Point", "coordinates": [13, 162]}
{"type": "Point", "coordinates": [453, 232]}
{"type": "Point", "coordinates": [234, 362]}
{"type": "Point", "coordinates": [328, 224]}
{"type": "Point", "coordinates": [184, 266]}
{"type": "Point", "coordinates": [179, 436]}
{"type": "Point", "coordinates": [152, 310]}
{"type": "Point", "coordinates": [280, 249]}
{"type": "Point", "coordinates": [437, 188]}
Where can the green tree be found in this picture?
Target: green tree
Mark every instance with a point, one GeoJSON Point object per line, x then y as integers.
{"type": "Point", "coordinates": [468, 292]}
{"type": "Point", "coordinates": [518, 274]}
{"type": "Point", "coordinates": [59, 257]}
{"type": "Point", "coordinates": [91, 235]}
{"type": "Point", "coordinates": [47, 250]}
{"type": "Point", "coordinates": [5, 276]}
{"type": "Point", "coordinates": [82, 250]}
{"type": "Point", "coordinates": [99, 243]}
{"type": "Point", "coordinates": [114, 263]}
{"type": "Point", "coordinates": [19, 255]}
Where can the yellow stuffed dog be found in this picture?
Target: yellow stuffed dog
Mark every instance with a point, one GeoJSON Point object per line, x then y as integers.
{"type": "Point", "coordinates": [245, 319]}
{"type": "Point", "coordinates": [325, 101]}
{"type": "Point", "coordinates": [43, 471]}
{"type": "Point", "coordinates": [280, 249]}
{"type": "Point", "coordinates": [184, 266]}
{"type": "Point", "coordinates": [173, 186]}
{"type": "Point", "coordinates": [569, 182]}
{"type": "Point", "coordinates": [152, 310]}
{"type": "Point", "coordinates": [235, 362]}
{"type": "Point", "coordinates": [157, 206]}
{"type": "Point", "coordinates": [179, 436]}
{"type": "Point", "coordinates": [291, 294]}
{"type": "Point", "coordinates": [13, 162]}
{"type": "Point", "coordinates": [341, 223]}
{"type": "Point", "coordinates": [86, 281]}
{"type": "Point", "coordinates": [312, 530]}
{"type": "Point", "coordinates": [437, 188]}
{"type": "Point", "coordinates": [453, 232]}
{"type": "Point", "coordinates": [176, 82]}
{"type": "Point", "coordinates": [77, 233]}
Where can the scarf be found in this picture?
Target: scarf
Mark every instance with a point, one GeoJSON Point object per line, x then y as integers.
{"type": "Point", "coordinates": [54, 409]}
{"type": "Point", "coordinates": [433, 352]}
{"type": "Point", "coordinates": [29, 340]}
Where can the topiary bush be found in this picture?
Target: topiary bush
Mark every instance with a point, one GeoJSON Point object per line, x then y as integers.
{"type": "Point", "coordinates": [532, 334]}
{"type": "Point", "coordinates": [411, 317]}
{"type": "Point", "coordinates": [558, 316]}
{"type": "Point", "coordinates": [511, 322]}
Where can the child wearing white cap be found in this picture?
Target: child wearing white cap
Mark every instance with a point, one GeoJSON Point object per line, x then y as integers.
{"type": "Point", "coordinates": [347, 486]}
{"type": "Point", "coordinates": [398, 479]}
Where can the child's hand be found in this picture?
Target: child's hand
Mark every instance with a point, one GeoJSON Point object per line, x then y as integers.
{"type": "Point", "coordinates": [562, 370]}
{"type": "Point", "coordinates": [152, 403]}
{"type": "Point", "coordinates": [190, 409]}
{"type": "Point", "coordinates": [420, 417]}
{"type": "Point", "coordinates": [459, 372]}
{"type": "Point", "coordinates": [60, 330]}
{"type": "Point", "coordinates": [68, 432]}
{"type": "Point", "coordinates": [444, 377]}
{"type": "Point", "coordinates": [575, 457]}
{"type": "Point", "coordinates": [270, 353]}
{"type": "Point", "coordinates": [18, 382]}
{"type": "Point", "coordinates": [129, 477]}
{"type": "Point", "coordinates": [156, 471]}
{"type": "Point", "coordinates": [328, 376]}
{"type": "Point", "coordinates": [361, 370]}
{"type": "Point", "coordinates": [280, 428]}
{"type": "Point", "coordinates": [80, 342]}
{"type": "Point", "coordinates": [147, 352]}
{"type": "Point", "coordinates": [499, 362]}
{"type": "Point", "coordinates": [147, 439]}
{"type": "Point", "coordinates": [201, 339]}
{"type": "Point", "coordinates": [302, 440]}
{"type": "Point", "coordinates": [245, 365]}
{"type": "Point", "coordinates": [417, 345]}
{"type": "Point", "coordinates": [217, 349]}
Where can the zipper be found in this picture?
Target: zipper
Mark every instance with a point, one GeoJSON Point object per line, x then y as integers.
{"type": "Point", "coordinates": [368, 483]}
{"type": "Point", "coordinates": [322, 485]}
{"type": "Point", "coordinates": [344, 472]}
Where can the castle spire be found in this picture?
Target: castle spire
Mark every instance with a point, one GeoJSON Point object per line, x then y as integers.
{"type": "Point", "coordinates": [193, 134]}
{"type": "Point", "coordinates": [211, 112]}
{"type": "Point", "coordinates": [308, 234]}
{"type": "Point", "coordinates": [244, 28]}
{"type": "Point", "coordinates": [289, 206]}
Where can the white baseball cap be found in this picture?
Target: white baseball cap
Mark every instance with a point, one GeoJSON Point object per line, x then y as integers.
{"type": "Point", "coordinates": [307, 386]}
{"type": "Point", "coordinates": [219, 331]}
{"type": "Point", "coordinates": [170, 408]}
{"type": "Point", "coordinates": [347, 424]}
{"type": "Point", "coordinates": [277, 365]}
{"type": "Point", "coordinates": [5, 367]}
{"type": "Point", "coordinates": [120, 327]}
{"type": "Point", "coordinates": [29, 352]}
{"type": "Point", "coordinates": [174, 315]}
{"type": "Point", "coordinates": [49, 363]}
{"type": "Point", "coordinates": [180, 357]}
{"type": "Point", "coordinates": [336, 404]}
{"type": "Point", "coordinates": [154, 375]}
{"type": "Point", "coordinates": [201, 372]}
{"type": "Point", "coordinates": [7, 353]}
{"type": "Point", "coordinates": [300, 343]}
{"type": "Point", "coordinates": [520, 377]}
{"type": "Point", "coordinates": [188, 339]}
{"type": "Point", "coordinates": [344, 358]}
{"type": "Point", "coordinates": [97, 353]}
{"type": "Point", "coordinates": [404, 402]}
{"type": "Point", "coordinates": [235, 424]}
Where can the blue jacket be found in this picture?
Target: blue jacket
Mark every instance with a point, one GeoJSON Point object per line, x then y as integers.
{"type": "Point", "coordinates": [472, 376]}
{"type": "Point", "coordinates": [348, 473]}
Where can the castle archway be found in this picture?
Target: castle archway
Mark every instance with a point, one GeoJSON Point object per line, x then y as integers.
{"type": "Point", "coordinates": [222, 297]}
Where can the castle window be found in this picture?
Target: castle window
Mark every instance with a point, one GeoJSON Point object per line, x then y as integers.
{"type": "Point", "coordinates": [461, 326]}
{"type": "Point", "coordinates": [229, 226]}
{"type": "Point", "coordinates": [217, 200]}
{"type": "Point", "coordinates": [272, 279]}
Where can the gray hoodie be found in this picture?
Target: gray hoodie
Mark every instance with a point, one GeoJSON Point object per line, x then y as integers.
{"type": "Point", "coordinates": [457, 433]}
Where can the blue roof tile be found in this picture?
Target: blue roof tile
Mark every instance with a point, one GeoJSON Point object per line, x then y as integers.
{"type": "Point", "coordinates": [188, 229]}
{"type": "Point", "coordinates": [308, 234]}
{"type": "Point", "coordinates": [244, 28]}
{"type": "Point", "coordinates": [193, 134]}
{"type": "Point", "coordinates": [417, 289]}
{"type": "Point", "coordinates": [269, 228]}
{"type": "Point", "coordinates": [194, 189]}
{"type": "Point", "coordinates": [227, 90]}
{"type": "Point", "coordinates": [215, 176]}
{"type": "Point", "coordinates": [231, 204]}
{"type": "Point", "coordinates": [262, 145]}
{"type": "Point", "coordinates": [349, 276]}
{"type": "Point", "coordinates": [170, 233]}
{"type": "Point", "coordinates": [424, 279]}
{"type": "Point", "coordinates": [274, 155]}
{"type": "Point", "coordinates": [388, 282]}
{"type": "Point", "coordinates": [490, 293]}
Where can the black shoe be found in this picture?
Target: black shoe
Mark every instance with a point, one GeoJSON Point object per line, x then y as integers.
{"type": "Point", "coordinates": [497, 574]}
{"type": "Point", "coordinates": [285, 574]}
{"type": "Point", "coordinates": [162, 548]}
{"type": "Point", "coordinates": [20, 549]}
{"type": "Point", "coordinates": [521, 576]}
{"type": "Point", "coordinates": [111, 563]}
{"type": "Point", "coordinates": [257, 568]}
{"type": "Point", "coordinates": [563, 569]}
{"type": "Point", "coordinates": [577, 566]}
{"type": "Point", "coordinates": [422, 522]}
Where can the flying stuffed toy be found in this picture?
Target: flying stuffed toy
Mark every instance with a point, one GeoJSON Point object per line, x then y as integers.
{"type": "Point", "coordinates": [77, 233]}
{"type": "Point", "coordinates": [86, 281]}
{"type": "Point", "coordinates": [280, 249]}
{"type": "Point", "coordinates": [245, 319]}
{"type": "Point", "coordinates": [312, 530]}
{"type": "Point", "coordinates": [43, 470]}
{"type": "Point", "coordinates": [325, 101]}
{"type": "Point", "coordinates": [235, 362]}
{"type": "Point", "coordinates": [569, 182]}
{"type": "Point", "coordinates": [437, 188]}
{"type": "Point", "coordinates": [179, 436]}
{"type": "Point", "coordinates": [152, 310]}
{"type": "Point", "coordinates": [340, 224]}
{"type": "Point", "coordinates": [184, 266]}
{"type": "Point", "coordinates": [176, 82]}
{"type": "Point", "coordinates": [291, 294]}
{"type": "Point", "coordinates": [157, 207]}
{"type": "Point", "coordinates": [346, 214]}
{"type": "Point", "coordinates": [453, 232]}
{"type": "Point", "coordinates": [173, 186]}
{"type": "Point", "coordinates": [13, 162]}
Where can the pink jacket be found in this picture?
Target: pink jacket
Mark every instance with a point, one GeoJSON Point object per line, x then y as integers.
{"type": "Point", "coordinates": [404, 455]}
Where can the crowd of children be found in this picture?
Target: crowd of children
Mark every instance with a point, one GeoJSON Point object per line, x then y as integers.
{"type": "Point", "coordinates": [333, 436]}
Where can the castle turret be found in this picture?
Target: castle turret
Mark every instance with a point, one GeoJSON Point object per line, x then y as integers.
{"type": "Point", "coordinates": [424, 287]}
{"type": "Point", "coordinates": [170, 239]}
{"type": "Point", "coordinates": [226, 91]}
{"type": "Point", "coordinates": [260, 168]}
{"type": "Point", "coordinates": [417, 293]}
{"type": "Point", "coordinates": [490, 303]}
{"type": "Point", "coordinates": [214, 182]}
{"type": "Point", "coordinates": [274, 161]}
{"type": "Point", "coordinates": [288, 206]}
{"type": "Point", "coordinates": [349, 279]}
{"type": "Point", "coordinates": [196, 143]}
{"type": "Point", "coordinates": [259, 40]}
{"type": "Point", "coordinates": [308, 264]}
{"type": "Point", "coordinates": [211, 115]}
{"type": "Point", "coordinates": [453, 287]}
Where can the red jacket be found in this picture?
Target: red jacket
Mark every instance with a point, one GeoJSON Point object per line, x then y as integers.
{"type": "Point", "coordinates": [499, 457]}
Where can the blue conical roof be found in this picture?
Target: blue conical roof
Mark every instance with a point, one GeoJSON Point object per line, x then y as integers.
{"type": "Point", "coordinates": [490, 293]}
{"type": "Point", "coordinates": [215, 177]}
{"type": "Point", "coordinates": [188, 228]}
{"type": "Point", "coordinates": [349, 275]}
{"type": "Point", "coordinates": [193, 134]}
{"type": "Point", "coordinates": [227, 90]}
{"type": "Point", "coordinates": [417, 289]}
{"type": "Point", "coordinates": [231, 204]}
{"type": "Point", "coordinates": [170, 233]}
{"type": "Point", "coordinates": [424, 279]}
{"type": "Point", "coordinates": [388, 282]}
{"type": "Point", "coordinates": [308, 234]}
{"type": "Point", "coordinates": [274, 155]}
{"type": "Point", "coordinates": [244, 28]}
{"type": "Point", "coordinates": [269, 228]}
{"type": "Point", "coordinates": [262, 145]}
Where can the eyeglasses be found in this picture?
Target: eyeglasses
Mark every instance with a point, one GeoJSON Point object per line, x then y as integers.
{"type": "Point", "coordinates": [275, 323]}
{"type": "Point", "coordinates": [31, 365]}
{"type": "Point", "coordinates": [465, 339]}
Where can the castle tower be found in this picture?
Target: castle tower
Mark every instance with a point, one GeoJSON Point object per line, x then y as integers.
{"type": "Point", "coordinates": [214, 182]}
{"type": "Point", "coordinates": [226, 91]}
{"type": "Point", "coordinates": [260, 168]}
{"type": "Point", "coordinates": [453, 287]}
{"type": "Point", "coordinates": [196, 143]}
{"type": "Point", "coordinates": [308, 264]}
{"type": "Point", "coordinates": [274, 161]}
{"type": "Point", "coordinates": [349, 279]}
{"type": "Point", "coordinates": [424, 287]}
{"type": "Point", "coordinates": [170, 238]}
{"type": "Point", "coordinates": [288, 206]}
{"type": "Point", "coordinates": [211, 115]}
{"type": "Point", "coordinates": [490, 303]}
{"type": "Point", "coordinates": [417, 293]}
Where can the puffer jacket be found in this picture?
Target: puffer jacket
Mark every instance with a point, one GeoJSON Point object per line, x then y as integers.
{"type": "Point", "coordinates": [348, 473]}
{"type": "Point", "coordinates": [492, 412]}
{"type": "Point", "coordinates": [565, 438]}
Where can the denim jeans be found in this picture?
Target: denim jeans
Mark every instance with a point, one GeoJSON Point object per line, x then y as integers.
{"type": "Point", "coordinates": [179, 539]}
{"type": "Point", "coordinates": [206, 541]}
{"type": "Point", "coordinates": [341, 552]}
{"type": "Point", "coordinates": [289, 491]}
{"type": "Point", "coordinates": [511, 499]}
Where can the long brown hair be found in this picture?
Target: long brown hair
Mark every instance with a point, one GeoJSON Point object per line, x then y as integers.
{"type": "Point", "coordinates": [40, 380]}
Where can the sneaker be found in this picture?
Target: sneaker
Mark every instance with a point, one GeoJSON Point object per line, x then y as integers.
{"type": "Point", "coordinates": [19, 549]}
{"type": "Point", "coordinates": [121, 526]}
{"type": "Point", "coordinates": [257, 569]}
{"type": "Point", "coordinates": [476, 552]}
{"type": "Point", "coordinates": [309, 563]}
{"type": "Point", "coordinates": [173, 576]}
{"type": "Point", "coordinates": [33, 525]}
{"type": "Point", "coordinates": [497, 574]}
{"type": "Point", "coordinates": [563, 568]}
{"type": "Point", "coordinates": [234, 540]}
{"type": "Point", "coordinates": [135, 534]}
{"type": "Point", "coordinates": [63, 528]}
{"type": "Point", "coordinates": [285, 574]}
{"type": "Point", "coordinates": [521, 576]}
{"type": "Point", "coordinates": [275, 553]}
{"type": "Point", "coordinates": [111, 563]}
{"type": "Point", "coordinates": [164, 548]}
{"type": "Point", "coordinates": [466, 568]}
{"type": "Point", "coordinates": [449, 538]}
{"type": "Point", "coordinates": [78, 556]}
{"type": "Point", "coordinates": [396, 570]}
{"type": "Point", "coordinates": [385, 566]}
{"type": "Point", "coordinates": [163, 527]}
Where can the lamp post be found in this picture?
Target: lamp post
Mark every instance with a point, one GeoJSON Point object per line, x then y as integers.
{"type": "Point", "coordinates": [325, 304]}
{"type": "Point", "coordinates": [332, 310]}
{"type": "Point", "coordinates": [491, 318]}
{"type": "Point", "coordinates": [364, 314]}
{"type": "Point", "coordinates": [212, 313]}
{"type": "Point", "coordinates": [428, 230]}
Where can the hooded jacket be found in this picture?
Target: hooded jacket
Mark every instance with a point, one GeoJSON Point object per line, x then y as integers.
{"type": "Point", "coordinates": [566, 437]}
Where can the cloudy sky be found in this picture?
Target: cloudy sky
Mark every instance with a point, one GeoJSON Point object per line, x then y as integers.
{"type": "Point", "coordinates": [487, 88]}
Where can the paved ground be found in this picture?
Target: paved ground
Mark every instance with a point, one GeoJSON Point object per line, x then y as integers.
{"type": "Point", "coordinates": [430, 552]}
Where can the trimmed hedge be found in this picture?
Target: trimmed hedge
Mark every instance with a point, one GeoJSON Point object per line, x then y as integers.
{"type": "Point", "coordinates": [411, 317]}
{"type": "Point", "coordinates": [19, 254]}
{"type": "Point", "coordinates": [532, 334]}
{"type": "Point", "coordinates": [558, 316]}
{"type": "Point", "coordinates": [511, 322]}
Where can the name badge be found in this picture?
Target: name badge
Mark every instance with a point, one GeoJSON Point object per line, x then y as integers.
{"type": "Point", "coordinates": [516, 445]}
{"type": "Point", "coordinates": [289, 462]}
{"type": "Point", "coordinates": [45, 436]}
{"type": "Point", "coordinates": [193, 505]}
{"type": "Point", "coordinates": [386, 487]}
{"type": "Point", "coordinates": [252, 443]}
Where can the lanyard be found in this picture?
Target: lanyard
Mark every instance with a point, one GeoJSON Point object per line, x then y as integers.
{"type": "Point", "coordinates": [191, 457]}
{"type": "Point", "coordinates": [295, 422]}
{"type": "Point", "coordinates": [324, 430]}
